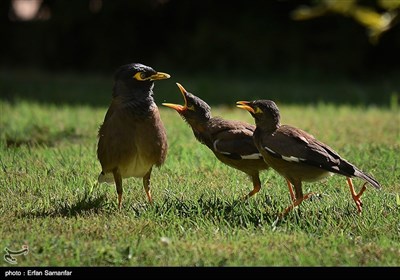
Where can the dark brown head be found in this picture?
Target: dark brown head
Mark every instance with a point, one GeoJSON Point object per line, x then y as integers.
{"type": "Point", "coordinates": [136, 80]}
{"type": "Point", "coordinates": [265, 113]}
{"type": "Point", "coordinates": [194, 111]}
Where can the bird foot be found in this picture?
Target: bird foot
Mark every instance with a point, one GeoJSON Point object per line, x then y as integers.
{"type": "Point", "coordinates": [250, 194]}
{"type": "Point", "coordinates": [150, 199]}
{"type": "Point", "coordinates": [309, 195]}
{"type": "Point", "coordinates": [119, 201]}
{"type": "Point", "coordinates": [297, 202]}
{"type": "Point", "coordinates": [357, 198]}
{"type": "Point", "coordinates": [289, 208]}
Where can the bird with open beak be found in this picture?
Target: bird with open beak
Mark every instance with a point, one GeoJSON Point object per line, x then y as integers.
{"type": "Point", "coordinates": [297, 155]}
{"type": "Point", "coordinates": [231, 141]}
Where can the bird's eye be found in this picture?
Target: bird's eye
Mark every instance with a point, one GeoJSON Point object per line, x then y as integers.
{"type": "Point", "coordinates": [257, 110]}
{"type": "Point", "coordinates": [140, 76]}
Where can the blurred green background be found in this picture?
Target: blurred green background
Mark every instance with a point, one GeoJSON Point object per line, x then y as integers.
{"type": "Point", "coordinates": [288, 50]}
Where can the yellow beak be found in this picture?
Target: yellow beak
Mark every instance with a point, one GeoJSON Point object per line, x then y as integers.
{"type": "Point", "coordinates": [245, 105]}
{"type": "Point", "coordinates": [159, 76]}
{"type": "Point", "coordinates": [177, 107]}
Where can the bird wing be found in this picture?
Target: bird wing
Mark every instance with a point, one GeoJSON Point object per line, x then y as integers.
{"type": "Point", "coordinates": [108, 146]}
{"type": "Point", "coordinates": [109, 113]}
{"type": "Point", "coordinates": [295, 145]}
{"type": "Point", "coordinates": [235, 141]}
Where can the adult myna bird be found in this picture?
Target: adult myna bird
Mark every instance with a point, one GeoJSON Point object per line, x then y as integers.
{"type": "Point", "coordinates": [132, 137]}
{"type": "Point", "coordinates": [230, 141]}
{"type": "Point", "coordinates": [297, 155]}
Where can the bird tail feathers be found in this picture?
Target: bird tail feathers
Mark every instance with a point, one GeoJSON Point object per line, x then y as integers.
{"type": "Point", "coordinates": [368, 178]}
{"type": "Point", "coordinates": [349, 170]}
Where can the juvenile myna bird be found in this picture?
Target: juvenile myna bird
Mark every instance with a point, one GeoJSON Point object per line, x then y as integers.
{"type": "Point", "coordinates": [231, 141]}
{"type": "Point", "coordinates": [297, 155]}
{"type": "Point", "coordinates": [132, 137]}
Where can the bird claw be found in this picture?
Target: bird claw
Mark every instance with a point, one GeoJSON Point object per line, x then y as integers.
{"type": "Point", "coordinates": [359, 205]}
{"type": "Point", "coordinates": [357, 198]}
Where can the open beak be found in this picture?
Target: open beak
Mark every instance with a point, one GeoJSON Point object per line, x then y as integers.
{"type": "Point", "coordinates": [159, 76]}
{"type": "Point", "coordinates": [245, 105]}
{"type": "Point", "coordinates": [177, 107]}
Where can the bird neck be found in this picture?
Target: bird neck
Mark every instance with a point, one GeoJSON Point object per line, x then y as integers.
{"type": "Point", "coordinates": [133, 95]}
{"type": "Point", "coordinates": [267, 126]}
{"type": "Point", "coordinates": [199, 125]}
{"type": "Point", "coordinates": [140, 102]}
{"type": "Point", "coordinates": [205, 131]}
{"type": "Point", "coordinates": [201, 135]}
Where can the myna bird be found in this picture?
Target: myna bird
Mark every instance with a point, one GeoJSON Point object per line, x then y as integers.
{"type": "Point", "coordinates": [230, 141]}
{"type": "Point", "coordinates": [132, 137]}
{"type": "Point", "coordinates": [297, 155]}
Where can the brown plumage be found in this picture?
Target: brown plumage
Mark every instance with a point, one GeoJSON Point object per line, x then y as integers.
{"type": "Point", "coordinates": [132, 137]}
{"type": "Point", "coordinates": [230, 141]}
{"type": "Point", "coordinates": [297, 155]}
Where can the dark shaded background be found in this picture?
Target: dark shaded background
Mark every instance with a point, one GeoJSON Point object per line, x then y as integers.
{"type": "Point", "coordinates": [227, 38]}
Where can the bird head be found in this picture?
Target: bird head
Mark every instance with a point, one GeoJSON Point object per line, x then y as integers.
{"type": "Point", "coordinates": [265, 112]}
{"type": "Point", "coordinates": [194, 110]}
{"type": "Point", "coordinates": [136, 76]}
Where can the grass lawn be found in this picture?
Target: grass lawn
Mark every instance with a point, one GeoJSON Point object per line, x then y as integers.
{"type": "Point", "coordinates": [50, 202]}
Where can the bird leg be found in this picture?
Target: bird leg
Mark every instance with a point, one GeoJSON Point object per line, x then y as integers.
{"type": "Point", "coordinates": [118, 184]}
{"type": "Point", "coordinates": [291, 191]}
{"type": "Point", "coordinates": [296, 203]}
{"type": "Point", "coordinates": [356, 197]}
{"type": "Point", "coordinates": [146, 184]}
{"type": "Point", "coordinates": [296, 200]}
{"type": "Point", "coordinates": [256, 187]}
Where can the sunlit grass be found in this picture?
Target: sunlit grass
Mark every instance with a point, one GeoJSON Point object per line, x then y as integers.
{"type": "Point", "coordinates": [49, 199]}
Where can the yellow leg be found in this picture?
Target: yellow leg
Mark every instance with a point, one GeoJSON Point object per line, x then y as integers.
{"type": "Point", "coordinates": [146, 184]}
{"type": "Point", "coordinates": [118, 184]}
{"type": "Point", "coordinates": [292, 196]}
{"type": "Point", "coordinates": [296, 203]}
{"type": "Point", "coordinates": [356, 197]}
{"type": "Point", "coordinates": [256, 187]}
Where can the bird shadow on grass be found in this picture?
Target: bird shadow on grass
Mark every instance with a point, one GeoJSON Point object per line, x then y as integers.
{"type": "Point", "coordinates": [85, 204]}
{"type": "Point", "coordinates": [263, 212]}
{"type": "Point", "coordinates": [212, 209]}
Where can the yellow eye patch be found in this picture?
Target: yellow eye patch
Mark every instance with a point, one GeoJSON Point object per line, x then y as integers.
{"type": "Point", "coordinates": [140, 76]}
{"type": "Point", "coordinates": [257, 110]}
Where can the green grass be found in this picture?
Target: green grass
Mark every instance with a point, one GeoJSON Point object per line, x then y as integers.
{"type": "Point", "coordinates": [49, 199]}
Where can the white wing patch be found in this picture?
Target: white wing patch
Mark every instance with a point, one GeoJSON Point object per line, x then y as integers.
{"type": "Point", "coordinates": [303, 139]}
{"type": "Point", "coordinates": [252, 156]}
{"type": "Point", "coordinates": [216, 149]}
{"type": "Point", "coordinates": [215, 145]}
{"type": "Point", "coordinates": [292, 159]}
{"type": "Point", "coordinates": [289, 158]}
{"type": "Point", "coordinates": [269, 150]}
